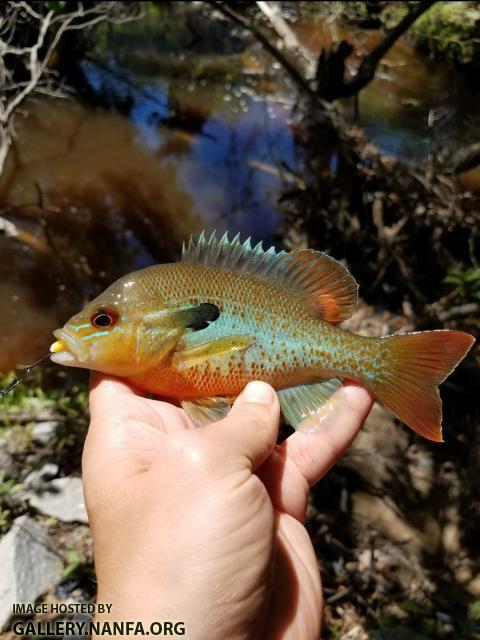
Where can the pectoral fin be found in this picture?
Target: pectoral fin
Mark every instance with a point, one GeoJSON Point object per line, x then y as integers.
{"type": "Point", "coordinates": [159, 332]}
{"type": "Point", "coordinates": [204, 411]}
{"type": "Point", "coordinates": [186, 358]}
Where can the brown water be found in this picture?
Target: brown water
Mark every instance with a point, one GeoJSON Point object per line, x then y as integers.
{"type": "Point", "coordinates": [183, 141]}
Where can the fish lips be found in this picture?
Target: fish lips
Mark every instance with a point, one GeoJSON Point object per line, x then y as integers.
{"type": "Point", "coordinates": [77, 351]}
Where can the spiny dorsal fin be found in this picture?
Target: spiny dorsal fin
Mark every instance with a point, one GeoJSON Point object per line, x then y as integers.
{"type": "Point", "coordinates": [231, 254]}
{"type": "Point", "coordinates": [320, 282]}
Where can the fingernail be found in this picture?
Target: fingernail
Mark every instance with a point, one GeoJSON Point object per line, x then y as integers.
{"type": "Point", "coordinates": [258, 392]}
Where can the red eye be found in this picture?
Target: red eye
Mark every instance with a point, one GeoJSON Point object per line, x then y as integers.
{"type": "Point", "coordinates": [104, 318]}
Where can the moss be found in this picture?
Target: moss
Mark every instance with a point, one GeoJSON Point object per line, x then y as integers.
{"type": "Point", "coordinates": [392, 13]}
{"type": "Point", "coordinates": [450, 31]}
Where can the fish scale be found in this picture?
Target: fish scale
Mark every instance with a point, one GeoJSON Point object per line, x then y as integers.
{"type": "Point", "coordinates": [229, 313]}
{"type": "Point", "coordinates": [279, 356]}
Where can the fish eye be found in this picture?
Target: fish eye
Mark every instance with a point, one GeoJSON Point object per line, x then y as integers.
{"type": "Point", "coordinates": [104, 318]}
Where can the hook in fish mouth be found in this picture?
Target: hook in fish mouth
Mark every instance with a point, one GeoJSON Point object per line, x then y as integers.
{"type": "Point", "coordinates": [73, 349]}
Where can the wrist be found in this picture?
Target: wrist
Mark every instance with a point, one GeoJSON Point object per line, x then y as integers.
{"type": "Point", "coordinates": [133, 606]}
{"type": "Point", "coordinates": [125, 621]}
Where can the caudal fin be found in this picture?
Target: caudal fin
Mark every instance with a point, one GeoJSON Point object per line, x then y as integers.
{"type": "Point", "coordinates": [415, 364]}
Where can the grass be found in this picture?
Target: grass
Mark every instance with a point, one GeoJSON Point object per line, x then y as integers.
{"type": "Point", "coordinates": [465, 284]}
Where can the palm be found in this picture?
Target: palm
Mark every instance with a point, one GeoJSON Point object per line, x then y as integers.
{"type": "Point", "coordinates": [148, 432]}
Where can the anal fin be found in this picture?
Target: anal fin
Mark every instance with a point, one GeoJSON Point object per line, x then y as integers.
{"type": "Point", "coordinates": [304, 401]}
{"type": "Point", "coordinates": [204, 411]}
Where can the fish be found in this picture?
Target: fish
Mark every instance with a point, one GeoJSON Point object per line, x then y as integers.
{"type": "Point", "coordinates": [197, 331]}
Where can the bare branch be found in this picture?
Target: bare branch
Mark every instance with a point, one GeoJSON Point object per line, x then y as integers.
{"type": "Point", "coordinates": [32, 59]}
{"type": "Point", "coordinates": [465, 159]}
{"type": "Point", "coordinates": [330, 72]}
{"type": "Point", "coordinates": [335, 85]}
{"type": "Point", "coordinates": [461, 311]}
{"type": "Point", "coordinates": [295, 75]}
{"type": "Point", "coordinates": [28, 9]}
{"type": "Point", "coordinates": [273, 13]}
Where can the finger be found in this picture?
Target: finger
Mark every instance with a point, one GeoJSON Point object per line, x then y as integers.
{"type": "Point", "coordinates": [313, 452]}
{"type": "Point", "coordinates": [173, 418]}
{"type": "Point", "coordinates": [121, 422]}
{"type": "Point", "coordinates": [250, 429]}
{"type": "Point", "coordinates": [107, 393]}
{"type": "Point", "coordinates": [114, 405]}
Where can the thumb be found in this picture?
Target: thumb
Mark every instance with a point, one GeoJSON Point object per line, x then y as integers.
{"type": "Point", "coordinates": [250, 429]}
{"type": "Point", "coordinates": [106, 395]}
{"type": "Point", "coordinates": [110, 416]}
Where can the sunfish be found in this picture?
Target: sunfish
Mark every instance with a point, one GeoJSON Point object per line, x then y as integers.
{"type": "Point", "coordinates": [199, 330]}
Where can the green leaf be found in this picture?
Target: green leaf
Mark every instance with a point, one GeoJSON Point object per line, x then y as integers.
{"type": "Point", "coordinates": [471, 275]}
{"type": "Point", "coordinates": [73, 563]}
{"type": "Point", "coordinates": [475, 611]}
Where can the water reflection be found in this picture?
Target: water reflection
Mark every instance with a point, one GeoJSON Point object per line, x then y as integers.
{"type": "Point", "coordinates": [415, 105]}
{"type": "Point", "coordinates": [97, 194]}
{"type": "Point", "coordinates": [213, 135]}
{"type": "Point", "coordinates": [182, 138]}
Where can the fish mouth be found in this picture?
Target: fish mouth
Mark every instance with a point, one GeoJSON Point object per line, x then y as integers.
{"type": "Point", "coordinates": [77, 351]}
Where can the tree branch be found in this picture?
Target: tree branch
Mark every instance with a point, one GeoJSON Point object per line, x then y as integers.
{"type": "Point", "coordinates": [273, 13]}
{"type": "Point", "coordinates": [465, 159]}
{"type": "Point", "coordinates": [461, 311]}
{"type": "Point", "coordinates": [330, 74]}
{"type": "Point", "coordinates": [366, 70]}
{"type": "Point", "coordinates": [249, 25]}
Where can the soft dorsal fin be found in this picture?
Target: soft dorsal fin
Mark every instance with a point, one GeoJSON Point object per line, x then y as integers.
{"type": "Point", "coordinates": [323, 284]}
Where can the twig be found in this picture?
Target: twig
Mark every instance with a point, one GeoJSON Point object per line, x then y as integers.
{"type": "Point", "coordinates": [341, 593]}
{"type": "Point", "coordinates": [461, 311]}
{"type": "Point", "coordinates": [48, 29]}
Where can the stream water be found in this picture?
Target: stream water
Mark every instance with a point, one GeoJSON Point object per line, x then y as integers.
{"type": "Point", "coordinates": [179, 139]}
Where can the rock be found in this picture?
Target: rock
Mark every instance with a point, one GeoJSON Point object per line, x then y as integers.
{"type": "Point", "coordinates": [39, 477]}
{"type": "Point", "coordinates": [44, 432]}
{"type": "Point", "coordinates": [421, 469]}
{"type": "Point", "coordinates": [29, 567]}
{"type": "Point", "coordinates": [61, 498]}
{"type": "Point", "coordinates": [7, 463]}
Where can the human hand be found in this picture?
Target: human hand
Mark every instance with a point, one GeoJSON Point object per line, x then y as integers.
{"type": "Point", "coordinates": [206, 525]}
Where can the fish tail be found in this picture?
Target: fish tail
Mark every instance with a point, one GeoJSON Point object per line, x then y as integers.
{"type": "Point", "coordinates": [413, 365]}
